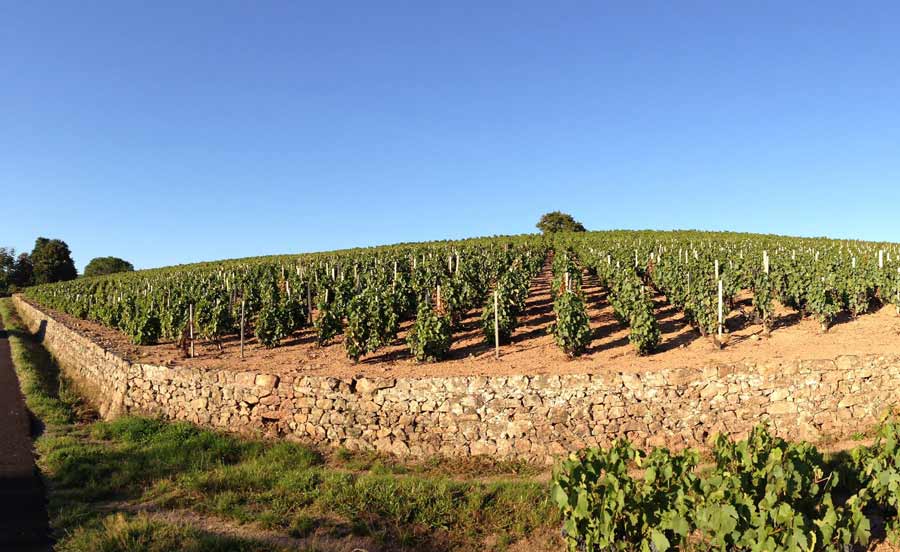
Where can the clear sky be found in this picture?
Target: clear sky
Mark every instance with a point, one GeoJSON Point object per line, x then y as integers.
{"type": "Point", "coordinates": [178, 131]}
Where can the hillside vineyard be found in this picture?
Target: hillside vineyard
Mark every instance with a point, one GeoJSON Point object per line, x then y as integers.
{"type": "Point", "coordinates": [365, 294]}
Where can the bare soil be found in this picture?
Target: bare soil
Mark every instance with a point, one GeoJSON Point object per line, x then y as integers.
{"type": "Point", "coordinates": [533, 350]}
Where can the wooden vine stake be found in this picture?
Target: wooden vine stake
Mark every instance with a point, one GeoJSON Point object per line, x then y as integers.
{"type": "Point", "coordinates": [766, 262]}
{"type": "Point", "coordinates": [191, 328]}
{"type": "Point", "coordinates": [721, 324]}
{"type": "Point", "coordinates": [242, 328]}
{"type": "Point", "coordinates": [309, 302]}
{"type": "Point", "coordinates": [496, 325]}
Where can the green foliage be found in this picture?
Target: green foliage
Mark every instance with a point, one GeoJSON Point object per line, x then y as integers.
{"type": "Point", "coordinates": [430, 337]}
{"type": "Point", "coordinates": [16, 272]}
{"type": "Point", "coordinates": [817, 277]}
{"type": "Point", "coordinates": [7, 263]}
{"type": "Point", "coordinates": [566, 273]}
{"type": "Point", "coordinates": [822, 299]}
{"type": "Point", "coordinates": [634, 308]}
{"type": "Point", "coordinates": [778, 496]}
{"type": "Point", "coordinates": [572, 328]}
{"type": "Point", "coordinates": [213, 316]}
{"type": "Point", "coordinates": [557, 221]}
{"type": "Point", "coordinates": [141, 323]}
{"type": "Point", "coordinates": [22, 273]}
{"type": "Point", "coordinates": [372, 321]}
{"type": "Point", "coordinates": [877, 470]}
{"type": "Point", "coordinates": [858, 291]}
{"type": "Point", "coordinates": [101, 266]}
{"type": "Point", "coordinates": [644, 334]}
{"type": "Point", "coordinates": [506, 317]}
{"type": "Point", "coordinates": [605, 508]}
{"type": "Point", "coordinates": [329, 322]}
{"type": "Point", "coordinates": [272, 322]}
{"type": "Point", "coordinates": [269, 328]}
{"type": "Point", "coordinates": [763, 494]}
{"type": "Point", "coordinates": [52, 261]}
{"type": "Point", "coordinates": [763, 299]}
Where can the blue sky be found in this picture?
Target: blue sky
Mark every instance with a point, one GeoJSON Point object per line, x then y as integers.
{"type": "Point", "coordinates": [181, 131]}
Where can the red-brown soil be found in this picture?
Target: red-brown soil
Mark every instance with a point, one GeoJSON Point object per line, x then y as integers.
{"type": "Point", "coordinates": [533, 350]}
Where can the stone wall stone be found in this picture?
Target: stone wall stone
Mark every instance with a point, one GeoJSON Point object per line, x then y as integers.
{"type": "Point", "coordinates": [533, 417]}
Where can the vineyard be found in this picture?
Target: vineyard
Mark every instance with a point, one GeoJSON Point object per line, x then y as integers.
{"type": "Point", "coordinates": [649, 307]}
{"type": "Point", "coordinates": [423, 295]}
{"type": "Point", "coordinates": [760, 493]}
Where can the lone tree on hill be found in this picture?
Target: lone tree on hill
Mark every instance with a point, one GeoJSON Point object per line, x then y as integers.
{"type": "Point", "coordinates": [52, 261]}
{"type": "Point", "coordinates": [107, 265]}
{"type": "Point", "coordinates": [559, 222]}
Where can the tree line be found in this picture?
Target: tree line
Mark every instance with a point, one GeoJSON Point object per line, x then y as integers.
{"type": "Point", "coordinates": [49, 261]}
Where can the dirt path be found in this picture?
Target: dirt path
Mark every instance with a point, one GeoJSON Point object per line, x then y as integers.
{"type": "Point", "coordinates": [23, 511]}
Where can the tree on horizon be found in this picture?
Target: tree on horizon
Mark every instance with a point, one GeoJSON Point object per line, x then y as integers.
{"type": "Point", "coordinates": [558, 221]}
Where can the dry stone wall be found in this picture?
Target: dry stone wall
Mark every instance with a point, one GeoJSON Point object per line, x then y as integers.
{"type": "Point", "coordinates": [534, 417]}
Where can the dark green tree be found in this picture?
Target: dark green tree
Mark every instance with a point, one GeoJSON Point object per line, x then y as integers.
{"type": "Point", "coordinates": [22, 273]}
{"type": "Point", "coordinates": [559, 222]}
{"type": "Point", "coordinates": [52, 261]}
{"type": "Point", "coordinates": [7, 264]}
{"type": "Point", "coordinates": [107, 265]}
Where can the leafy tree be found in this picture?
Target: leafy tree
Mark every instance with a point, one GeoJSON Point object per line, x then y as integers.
{"type": "Point", "coordinates": [7, 264]}
{"type": "Point", "coordinates": [52, 261]}
{"type": "Point", "coordinates": [559, 222]}
{"type": "Point", "coordinates": [107, 265]}
{"type": "Point", "coordinates": [22, 273]}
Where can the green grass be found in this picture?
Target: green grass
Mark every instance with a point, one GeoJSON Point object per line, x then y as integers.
{"type": "Point", "coordinates": [49, 400]}
{"type": "Point", "coordinates": [285, 487]}
{"type": "Point", "coordinates": [117, 532]}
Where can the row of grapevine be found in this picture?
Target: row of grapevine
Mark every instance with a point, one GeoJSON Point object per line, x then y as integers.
{"type": "Point", "coordinates": [631, 302]}
{"type": "Point", "coordinates": [511, 287]}
{"type": "Point", "coordinates": [363, 295]}
{"type": "Point", "coordinates": [572, 328]}
{"type": "Point", "coordinates": [630, 299]}
{"type": "Point", "coordinates": [816, 277]}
